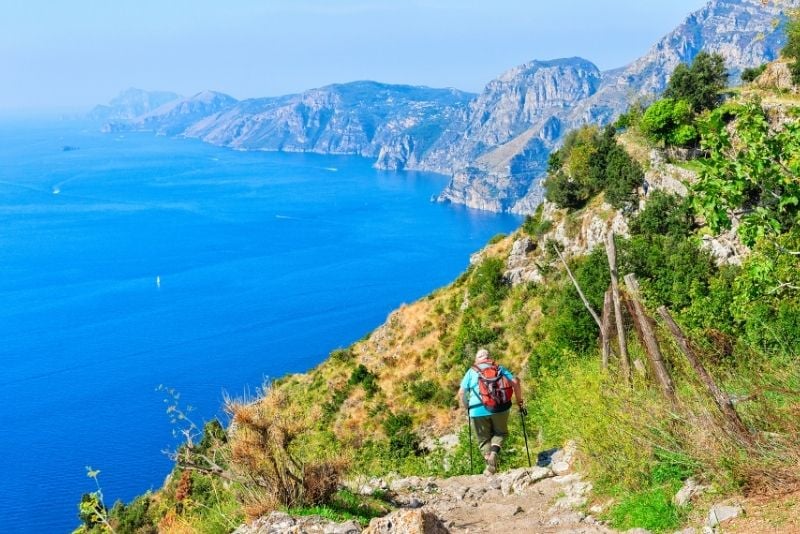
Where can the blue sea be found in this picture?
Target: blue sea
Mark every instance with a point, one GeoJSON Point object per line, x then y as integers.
{"type": "Point", "coordinates": [130, 261]}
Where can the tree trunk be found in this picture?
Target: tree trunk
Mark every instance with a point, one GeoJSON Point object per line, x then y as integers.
{"type": "Point", "coordinates": [720, 397]}
{"type": "Point", "coordinates": [611, 251]}
{"type": "Point", "coordinates": [650, 342]}
{"type": "Point", "coordinates": [578, 288]}
{"type": "Point", "coordinates": [605, 331]}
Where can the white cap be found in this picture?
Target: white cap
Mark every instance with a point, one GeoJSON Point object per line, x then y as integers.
{"type": "Point", "coordinates": [482, 354]}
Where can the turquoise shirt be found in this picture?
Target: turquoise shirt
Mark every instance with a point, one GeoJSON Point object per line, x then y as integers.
{"type": "Point", "coordinates": [470, 384]}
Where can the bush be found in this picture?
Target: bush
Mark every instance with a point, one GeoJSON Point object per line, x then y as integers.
{"type": "Point", "coordinates": [623, 175]}
{"type": "Point", "coordinates": [534, 226]}
{"type": "Point", "coordinates": [792, 49]}
{"type": "Point", "coordinates": [363, 376]}
{"type": "Point", "coordinates": [496, 239]}
{"type": "Point", "coordinates": [264, 453]}
{"type": "Point", "coordinates": [664, 214]}
{"type": "Point", "coordinates": [749, 75]}
{"type": "Point", "coordinates": [342, 355]}
{"type": "Point", "coordinates": [669, 121]}
{"type": "Point", "coordinates": [487, 284]}
{"type": "Point", "coordinates": [402, 439]}
{"type": "Point", "coordinates": [701, 83]}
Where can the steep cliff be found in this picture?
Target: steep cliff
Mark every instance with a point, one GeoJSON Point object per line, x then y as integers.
{"type": "Point", "coordinates": [494, 145]}
{"type": "Point", "coordinates": [396, 124]}
{"type": "Point", "coordinates": [745, 32]}
{"type": "Point", "coordinates": [130, 104]}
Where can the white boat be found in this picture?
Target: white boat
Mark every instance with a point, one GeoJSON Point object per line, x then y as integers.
{"type": "Point", "coordinates": [158, 282]}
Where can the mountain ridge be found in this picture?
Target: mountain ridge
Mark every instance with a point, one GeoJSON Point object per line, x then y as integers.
{"type": "Point", "coordinates": [495, 144]}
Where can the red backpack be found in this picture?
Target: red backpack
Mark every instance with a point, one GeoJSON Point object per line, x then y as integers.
{"type": "Point", "coordinates": [494, 388]}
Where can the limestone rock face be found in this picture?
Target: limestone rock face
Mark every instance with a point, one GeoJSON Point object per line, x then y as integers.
{"type": "Point", "coordinates": [130, 104]}
{"type": "Point", "coordinates": [174, 117]}
{"type": "Point", "coordinates": [512, 165]}
{"type": "Point", "coordinates": [281, 523]}
{"type": "Point", "coordinates": [407, 522]}
{"type": "Point", "coordinates": [776, 76]}
{"type": "Point", "coordinates": [494, 145]}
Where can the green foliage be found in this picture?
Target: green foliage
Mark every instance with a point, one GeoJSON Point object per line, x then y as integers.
{"type": "Point", "coordinates": [664, 214]}
{"type": "Point", "coordinates": [534, 226]}
{"type": "Point", "coordinates": [701, 83]}
{"type": "Point", "coordinates": [587, 163]}
{"type": "Point", "coordinates": [651, 509]}
{"type": "Point", "coordinates": [134, 517]}
{"type": "Point", "coordinates": [791, 50]}
{"type": "Point", "coordinates": [346, 506]}
{"type": "Point", "coordinates": [496, 239]}
{"type": "Point", "coordinates": [670, 122]}
{"type": "Point", "coordinates": [753, 170]}
{"type": "Point", "coordinates": [363, 376]}
{"type": "Point", "coordinates": [427, 391]}
{"type": "Point", "coordinates": [623, 174]}
{"type": "Point", "coordinates": [750, 74]}
{"type": "Point", "coordinates": [402, 439]}
{"type": "Point", "coordinates": [488, 286]}
{"type": "Point", "coordinates": [631, 118]}
{"type": "Point", "coordinates": [342, 355]}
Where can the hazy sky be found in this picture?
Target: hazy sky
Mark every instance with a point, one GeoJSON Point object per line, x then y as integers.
{"type": "Point", "coordinates": [76, 53]}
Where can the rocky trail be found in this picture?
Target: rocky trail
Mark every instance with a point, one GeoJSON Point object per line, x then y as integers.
{"type": "Point", "coordinates": [540, 499]}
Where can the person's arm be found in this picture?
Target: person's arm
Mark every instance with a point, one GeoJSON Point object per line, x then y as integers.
{"type": "Point", "coordinates": [517, 385]}
{"type": "Point", "coordinates": [462, 398]}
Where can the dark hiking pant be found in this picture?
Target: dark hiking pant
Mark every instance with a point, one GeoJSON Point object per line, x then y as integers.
{"type": "Point", "coordinates": [491, 430]}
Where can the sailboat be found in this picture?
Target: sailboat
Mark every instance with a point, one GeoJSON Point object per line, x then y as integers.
{"type": "Point", "coordinates": [158, 282]}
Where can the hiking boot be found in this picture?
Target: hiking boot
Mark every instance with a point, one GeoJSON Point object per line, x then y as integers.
{"type": "Point", "coordinates": [491, 464]}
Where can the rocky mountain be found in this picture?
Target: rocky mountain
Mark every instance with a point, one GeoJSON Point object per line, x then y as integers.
{"type": "Point", "coordinates": [396, 124]}
{"type": "Point", "coordinates": [175, 117]}
{"type": "Point", "coordinates": [494, 145]}
{"type": "Point", "coordinates": [130, 104]}
{"type": "Point", "coordinates": [507, 177]}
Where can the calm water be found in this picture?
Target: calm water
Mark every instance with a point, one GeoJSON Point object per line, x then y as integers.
{"type": "Point", "coordinates": [136, 261]}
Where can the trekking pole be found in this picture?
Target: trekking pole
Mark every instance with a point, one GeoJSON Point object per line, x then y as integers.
{"type": "Point", "coordinates": [469, 429]}
{"type": "Point", "coordinates": [524, 433]}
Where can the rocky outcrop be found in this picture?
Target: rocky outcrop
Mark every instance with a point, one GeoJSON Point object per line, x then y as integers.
{"type": "Point", "coordinates": [396, 124]}
{"type": "Point", "coordinates": [507, 175]}
{"type": "Point", "coordinates": [130, 104]}
{"type": "Point", "coordinates": [494, 145]}
{"type": "Point", "coordinates": [175, 117]}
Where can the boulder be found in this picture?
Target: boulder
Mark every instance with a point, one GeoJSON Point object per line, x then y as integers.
{"type": "Point", "coordinates": [407, 522]}
{"type": "Point", "coordinates": [720, 513]}
{"type": "Point", "coordinates": [690, 489]}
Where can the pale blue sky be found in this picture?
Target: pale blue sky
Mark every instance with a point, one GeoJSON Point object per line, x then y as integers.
{"type": "Point", "coordinates": [62, 53]}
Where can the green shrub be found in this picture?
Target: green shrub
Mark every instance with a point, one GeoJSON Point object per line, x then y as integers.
{"type": "Point", "coordinates": [363, 376]}
{"type": "Point", "coordinates": [487, 285]}
{"type": "Point", "coordinates": [402, 439]}
{"type": "Point", "coordinates": [534, 226]}
{"type": "Point", "coordinates": [670, 122]}
{"type": "Point", "coordinates": [496, 239]}
{"type": "Point", "coordinates": [342, 355]}
{"type": "Point", "coordinates": [651, 509]}
{"type": "Point", "coordinates": [701, 83]}
{"type": "Point", "coordinates": [750, 74]}
{"type": "Point", "coordinates": [623, 175]}
{"type": "Point", "coordinates": [664, 214]}
{"type": "Point", "coordinates": [791, 50]}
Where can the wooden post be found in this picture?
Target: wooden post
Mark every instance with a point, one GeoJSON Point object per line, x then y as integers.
{"type": "Point", "coordinates": [650, 342]}
{"type": "Point", "coordinates": [611, 252]}
{"type": "Point", "coordinates": [605, 330]}
{"type": "Point", "coordinates": [722, 400]}
{"type": "Point", "coordinates": [578, 287]}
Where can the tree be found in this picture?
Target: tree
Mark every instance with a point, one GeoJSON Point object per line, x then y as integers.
{"type": "Point", "coordinates": [669, 121]}
{"type": "Point", "coordinates": [699, 84]}
{"type": "Point", "coordinates": [752, 171]}
{"type": "Point", "coordinates": [792, 49]}
{"type": "Point", "coordinates": [623, 175]}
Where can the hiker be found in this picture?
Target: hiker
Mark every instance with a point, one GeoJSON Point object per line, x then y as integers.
{"type": "Point", "coordinates": [486, 392]}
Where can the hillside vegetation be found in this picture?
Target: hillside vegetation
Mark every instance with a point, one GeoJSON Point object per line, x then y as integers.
{"type": "Point", "coordinates": [379, 405]}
